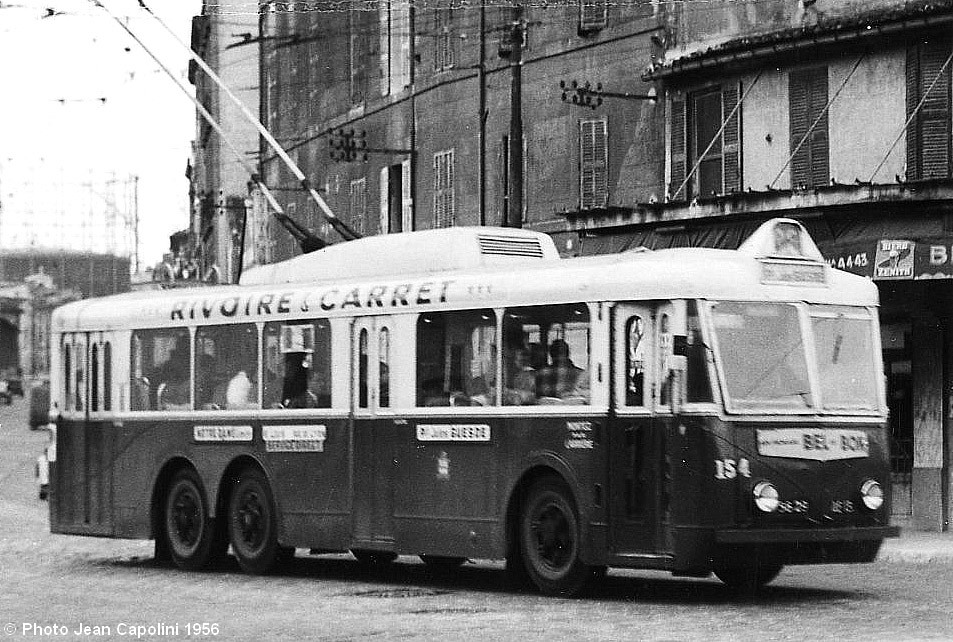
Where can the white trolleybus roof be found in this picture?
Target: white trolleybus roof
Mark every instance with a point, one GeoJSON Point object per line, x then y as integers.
{"type": "Point", "coordinates": [483, 267]}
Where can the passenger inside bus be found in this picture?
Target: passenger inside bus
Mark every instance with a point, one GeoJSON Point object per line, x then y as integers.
{"type": "Point", "coordinates": [521, 381]}
{"type": "Point", "coordinates": [234, 390]}
{"type": "Point", "coordinates": [172, 380]}
{"type": "Point", "coordinates": [562, 381]}
{"type": "Point", "coordinates": [294, 391]}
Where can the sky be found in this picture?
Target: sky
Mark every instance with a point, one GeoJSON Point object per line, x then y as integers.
{"type": "Point", "coordinates": [91, 128]}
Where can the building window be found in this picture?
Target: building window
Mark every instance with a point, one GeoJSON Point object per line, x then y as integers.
{"type": "Point", "coordinates": [928, 131]}
{"type": "Point", "coordinates": [394, 32]}
{"type": "Point", "coordinates": [593, 164]}
{"type": "Point", "coordinates": [443, 206]}
{"type": "Point", "coordinates": [810, 164]}
{"type": "Point", "coordinates": [592, 15]}
{"type": "Point", "coordinates": [699, 132]}
{"type": "Point", "coordinates": [443, 39]}
{"type": "Point", "coordinates": [358, 204]}
{"type": "Point", "coordinates": [358, 53]}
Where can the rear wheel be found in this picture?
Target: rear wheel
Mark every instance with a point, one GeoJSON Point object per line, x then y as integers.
{"type": "Point", "coordinates": [189, 533]}
{"type": "Point", "coordinates": [747, 578]}
{"type": "Point", "coordinates": [550, 539]}
{"type": "Point", "coordinates": [252, 523]}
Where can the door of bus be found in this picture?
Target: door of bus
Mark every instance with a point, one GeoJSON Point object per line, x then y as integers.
{"type": "Point", "coordinates": [375, 440]}
{"type": "Point", "coordinates": [641, 412]}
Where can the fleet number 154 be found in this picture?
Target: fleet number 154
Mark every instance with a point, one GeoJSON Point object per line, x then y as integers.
{"type": "Point", "coordinates": [730, 468]}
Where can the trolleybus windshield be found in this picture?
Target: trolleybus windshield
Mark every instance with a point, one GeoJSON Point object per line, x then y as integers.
{"type": "Point", "coordinates": [764, 353]}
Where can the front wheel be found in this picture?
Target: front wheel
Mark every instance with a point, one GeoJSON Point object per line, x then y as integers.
{"type": "Point", "coordinates": [550, 540]}
{"type": "Point", "coordinates": [189, 533]}
{"type": "Point", "coordinates": [252, 523]}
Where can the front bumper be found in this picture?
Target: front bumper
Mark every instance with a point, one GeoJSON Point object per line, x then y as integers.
{"type": "Point", "coordinates": [806, 535]}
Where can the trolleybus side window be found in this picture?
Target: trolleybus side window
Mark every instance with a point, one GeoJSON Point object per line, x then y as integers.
{"type": "Point", "coordinates": [383, 355]}
{"type": "Point", "coordinates": [67, 374]}
{"type": "Point", "coordinates": [94, 378]}
{"type": "Point", "coordinates": [226, 367]}
{"type": "Point", "coordinates": [635, 361]}
{"type": "Point", "coordinates": [456, 359]}
{"type": "Point", "coordinates": [698, 381]}
{"type": "Point", "coordinates": [843, 345]}
{"type": "Point", "coordinates": [557, 340]}
{"type": "Point", "coordinates": [159, 372]}
{"type": "Point", "coordinates": [363, 396]}
{"type": "Point", "coordinates": [107, 376]}
{"type": "Point", "coordinates": [664, 352]}
{"type": "Point", "coordinates": [297, 365]}
{"type": "Point", "coordinates": [79, 394]}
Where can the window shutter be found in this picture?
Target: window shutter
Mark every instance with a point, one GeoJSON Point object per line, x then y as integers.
{"type": "Point", "coordinates": [358, 204]}
{"type": "Point", "coordinates": [913, 97]}
{"type": "Point", "coordinates": [934, 116]}
{"type": "Point", "coordinates": [384, 225]}
{"type": "Point", "coordinates": [443, 189]}
{"type": "Point", "coordinates": [400, 44]}
{"type": "Point", "coordinates": [731, 138]}
{"type": "Point", "coordinates": [384, 33]}
{"type": "Point", "coordinates": [406, 198]}
{"type": "Point", "coordinates": [820, 144]}
{"type": "Point", "coordinates": [810, 166]}
{"type": "Point", "coordinates": [448, 194]}
{"type": "Point", "coordinates": [358, 55]}
{"type": "Point", "coordinates": [593, 155]}
{"type": "Point", "coordinates": [443, 39]}
{"type": "Point", "coordinates": [678, 151]}
{"type": "Point", "coordinates": [801, 162]}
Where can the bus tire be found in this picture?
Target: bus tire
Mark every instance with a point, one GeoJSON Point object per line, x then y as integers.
{"type": "Point", "coordinates": [188, 531]}
{"type": "Point", "coordinates": [253, 524]}
{"type": "Point", "coordinates": [550, 539]}
{"type": "Point", "coordinates": [747, 578]}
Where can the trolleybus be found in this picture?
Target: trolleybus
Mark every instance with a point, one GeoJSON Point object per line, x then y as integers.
{"type": "Point", "coordinates": [465, 394]}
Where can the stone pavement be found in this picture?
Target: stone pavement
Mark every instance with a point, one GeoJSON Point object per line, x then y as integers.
{"type": "Point", "coordinates": [918, 547]}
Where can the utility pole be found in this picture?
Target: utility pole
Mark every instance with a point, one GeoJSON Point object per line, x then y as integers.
{"type": "Point", "coordinates": [135, 221]}
{"type": "Point", "coordinates": [514, 215]}
{"type": "Point", "coordinates": [481, 72]}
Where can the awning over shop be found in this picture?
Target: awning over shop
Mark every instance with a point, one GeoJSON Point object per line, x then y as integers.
{"type": "Point", "coordinates": [881, 248]}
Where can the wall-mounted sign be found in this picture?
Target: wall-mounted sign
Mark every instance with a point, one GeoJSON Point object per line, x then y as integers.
{"type": "Point", "coordinates": [894, 259]}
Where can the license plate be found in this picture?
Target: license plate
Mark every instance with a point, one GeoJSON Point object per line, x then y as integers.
{"type": "Point", "coordinates": [817, 444]}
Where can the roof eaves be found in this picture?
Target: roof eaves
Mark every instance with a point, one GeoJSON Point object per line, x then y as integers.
{"type": "Point", "coordinates": [785, 40]}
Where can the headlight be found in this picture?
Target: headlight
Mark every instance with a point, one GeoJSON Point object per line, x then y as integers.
{"type": "Point", "coordinates": [766, 496]}
{"type": "Point", "coordinates": [872, 493]}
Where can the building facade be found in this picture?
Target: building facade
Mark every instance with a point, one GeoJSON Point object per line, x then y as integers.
{"type": "Point", "coordinates": [225, 35]}
{"type": "Point", "coordinates": [644, 123]}
{"type": "Point", "coordinates": [402, 115]}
